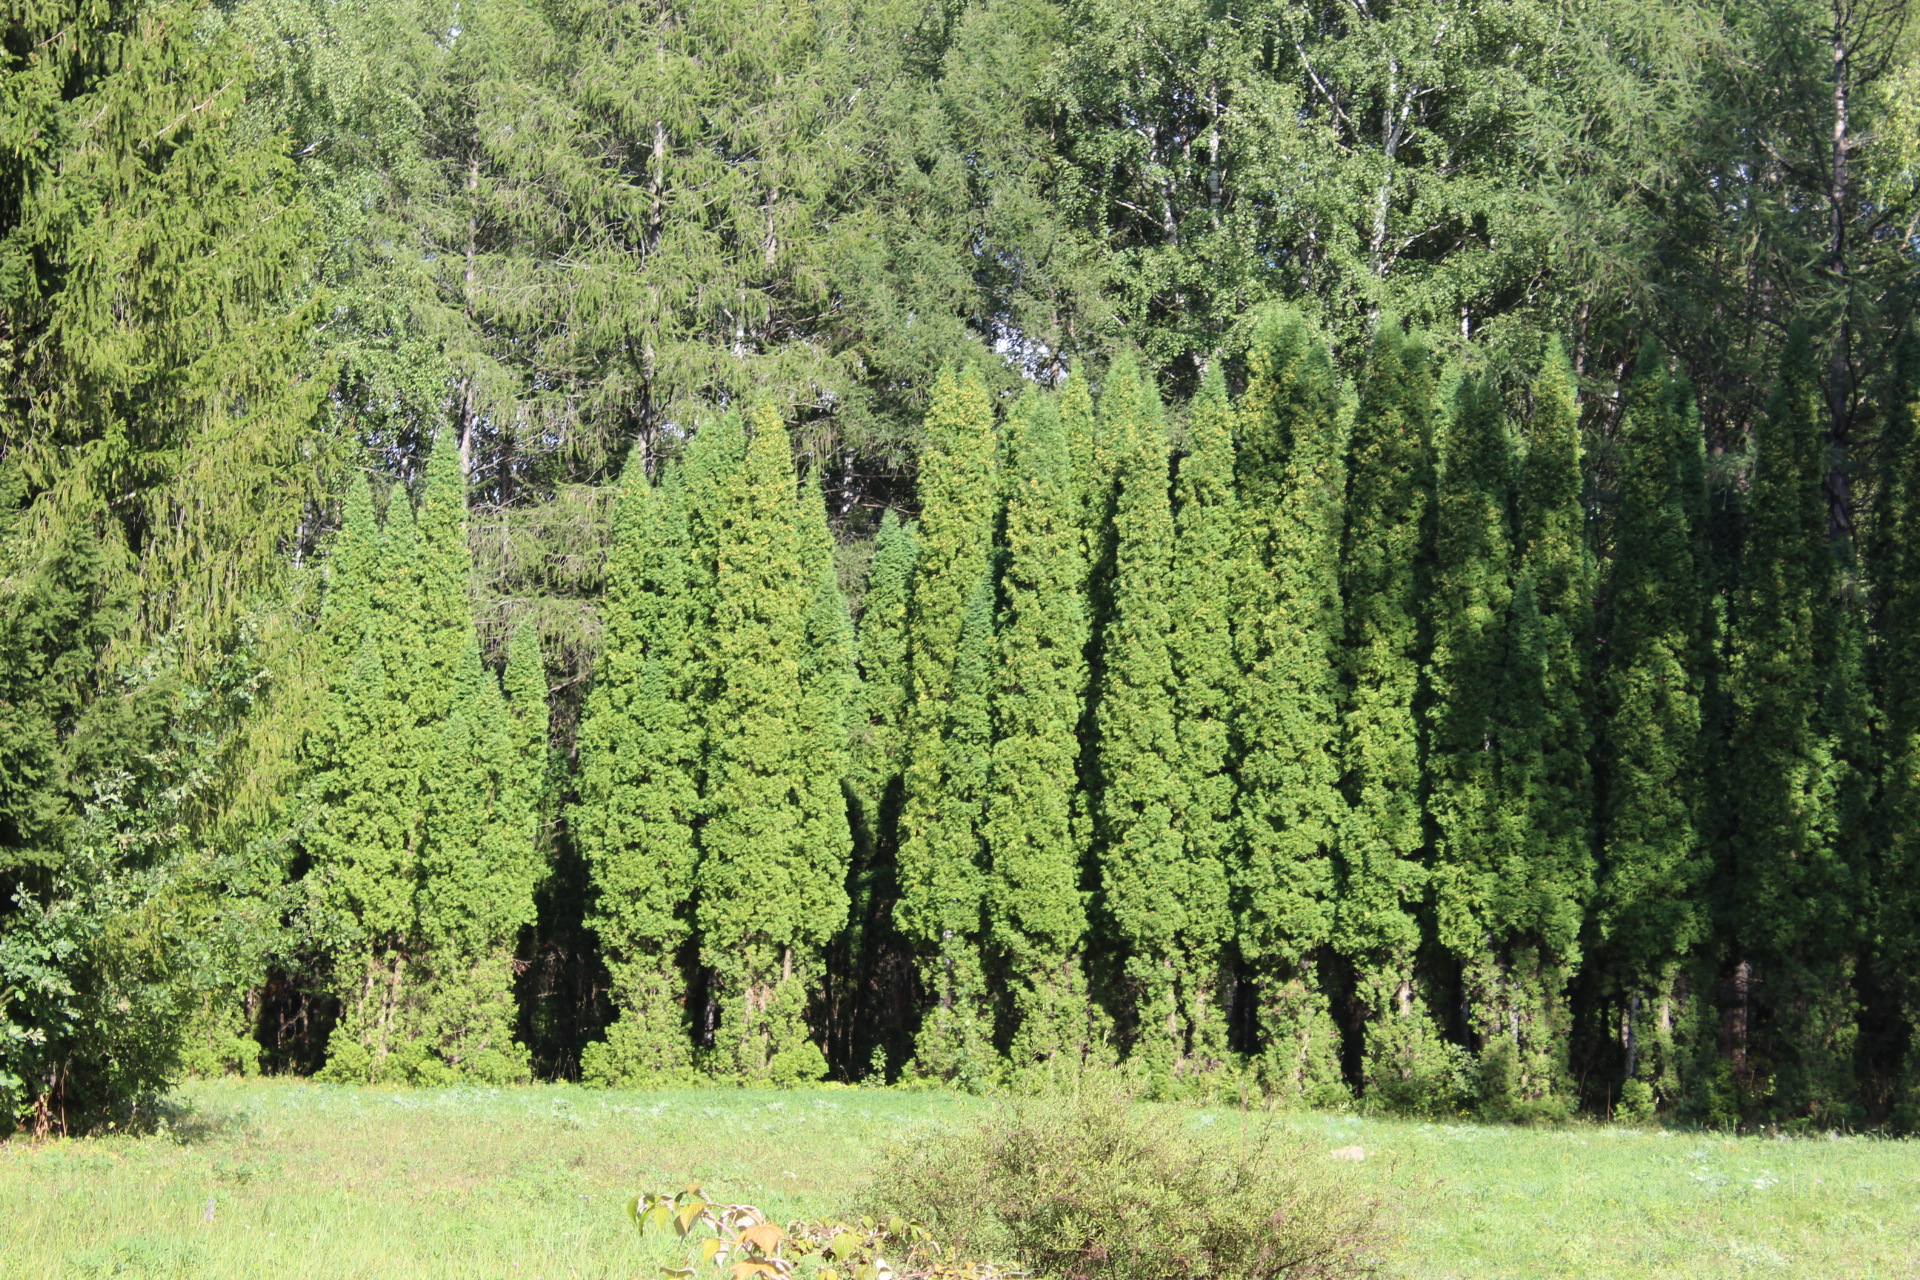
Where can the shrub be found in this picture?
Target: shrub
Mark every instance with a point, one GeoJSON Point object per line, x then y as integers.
{"type": "Point", "coordinates": [1097, 1188]}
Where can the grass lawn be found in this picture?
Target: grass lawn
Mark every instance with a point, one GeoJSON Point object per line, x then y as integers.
{"type": "Point", "coordinates": [282, 1180]}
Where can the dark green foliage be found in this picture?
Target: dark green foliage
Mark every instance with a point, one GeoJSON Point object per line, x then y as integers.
{"type": "Point", "coordinates": [1382, 838]}
{"type": "Point", "coordinates": [1895, 546]}
{"type": "Point", "coordinates": [1290, 464]}
{"type": "Point", "coordinates": [1036, 919]}
{"type": "Point", "coordinates": [1793, 894]}
{"type": "Point", "coordinates": [1649, 910]}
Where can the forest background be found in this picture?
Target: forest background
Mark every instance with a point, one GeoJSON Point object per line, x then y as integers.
{"type": "Point", "coordinates": [1363, 551]}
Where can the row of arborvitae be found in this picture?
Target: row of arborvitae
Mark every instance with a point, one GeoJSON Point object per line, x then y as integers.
{"type": "Point", "coordinates": [422, 786]}
{"type": "Point", "coordinates": [1373, 741]}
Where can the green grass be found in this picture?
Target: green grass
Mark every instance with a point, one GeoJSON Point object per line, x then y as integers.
{"type": "Point", "coordinates": [280, 1180]}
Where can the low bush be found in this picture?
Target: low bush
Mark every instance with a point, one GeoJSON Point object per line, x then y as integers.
{"type": "Point", "coordinates": [1097, 1187]}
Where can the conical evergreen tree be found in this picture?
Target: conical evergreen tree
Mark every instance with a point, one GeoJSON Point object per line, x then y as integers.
{"type": "Point", "coordinates": [477, 876]}
{"type": "Point", "coordinates": [1793, 896]}
{"type": "Point", "coordinates": [1649, 909]}
{"type": "Point", "coordinates": [1146, 886]}
{"type": "Point", "coordinates": [773, 861]}
{"type": "Point", "coordinates": [634, 821]}
{"type": "Point", "coordinates": [959, 497]}
{"type": "Point", "coordinates": [1389, 496]}
{"type": "Point", "coordinates": [1207, 677]}
{"type": "Point", "coordinates": [1037, 919]}
{"type": "Point", "coordinates": [958, 1023]}
{"type": "Point", "coordinates": [1475, 870]}
{"type": "Point", "coordinates": [1290, 462]}
{"type": "Point", "coordinates": [1545, 839]}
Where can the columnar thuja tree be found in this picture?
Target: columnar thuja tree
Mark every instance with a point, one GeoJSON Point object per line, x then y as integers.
{"type": "Point", "coordinates": [1038, 925]}
{"type": "Point", "coordinates": [1149, 890]}
{"type": "Point", "coordinates": [1792, 893]}
{"type": "Point", "coordinates": [1206, 572]}
{"type": "Point", "coordinates": [423, 785]}
{"type": "Point", "coordinates": [1545, 840]}
{"type": "Point", "coordinates": [1650, 914]}
{"type": "Point", "coordinates": [638, 785]}
{"type": "Point", "coordinates": [940, 875]}
{"type": "Point", "coordinates": [773, 858]}
{"type": "Point", "coordinates": [1477, 871]}
{"type": "Point", "coordinates": [1896, 584]}
{"type": "Point", "coordinates": [1383, 571]}
{"type": "Point", "coordinates": [1290, 463]}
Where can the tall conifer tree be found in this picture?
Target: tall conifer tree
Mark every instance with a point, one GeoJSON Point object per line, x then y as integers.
{"type": "Point", "coordinates": [1650, 908]}
{"type": "Point", "coordinates": [1896, 585]}
{"type": "Point", "coordinates": [1290, 463]}
{"type": "Point", "coordinates": [1793, 896]}
{"type": "Point", "coordinates": [1383, 554]}
{"type": "Point", "coordinates": [1037, 920]}
{"type": "Point", "coordinates": [956, 1040]}
{"type": "Point", "coordinates": [1474, 869]}
{"type": "Point", "coordinates": [1206, 572]}
{"type": "Point", "coordinates": [638, 781]}
{"type": "Point", "coordinates": [1544, 740]}
{"type": "Point", "coordinates": [880, 729]}
{"type": "Point", "coordinates": [939, 911]}
{"type": "Point", "coordinates": [773, 861]}
{"type": "Point", "coordinates": [1147, 885]}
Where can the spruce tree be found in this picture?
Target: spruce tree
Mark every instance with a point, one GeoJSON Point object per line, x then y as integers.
{"type": "Point", "coordinates": [1037, 919]}
{"type": "Point", "coordinates": [1205, 573]}
{"type": "Point", "coordinates": [1473, 869]}
{"type": "Point", "coordinates": [634, 821]}
{"type": "Point", "coordinates": [958, 501]}
{"type": "Point", "coordinates": [1650, 913]}
{"type": "Point", "coordinates": [1381, 875]}
{"type": "Point", "coordinates": [1144, 876]}
{"type": "Point", "coordinates": [773, 859]}
{"type": "Point", "coordinates": [1290, 464]}
{"type": "Point", "coordinates": [1794, 901]}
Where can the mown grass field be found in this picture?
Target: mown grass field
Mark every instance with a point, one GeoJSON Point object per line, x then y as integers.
{"type": "Point", "coordinates": [288, 1180]}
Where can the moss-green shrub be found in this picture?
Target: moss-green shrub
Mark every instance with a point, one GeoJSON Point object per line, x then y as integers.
{"type": "Point", "coordinates": [1101, 1188]}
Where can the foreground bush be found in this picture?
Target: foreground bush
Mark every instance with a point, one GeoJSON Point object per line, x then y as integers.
{"type": "Point", "coordinates": [1097, 1188]}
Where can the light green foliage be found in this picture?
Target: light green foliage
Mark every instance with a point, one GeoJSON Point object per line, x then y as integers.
{"type": "Point", "coordinates": [1290, 463]}
{"type": "Point", "coordinates": [422, 788]}
{"type": "Point", "coordinates": [955, 1041]}
{"type": "Point", "coordinates": [638, 785]}
{"type": "Point", "coordinates": [1096, 1186]}
{"type": "Point", "coordinates": [939, 908]}
{"type": "Point", "coordinates": [772, 861]}
{"type": "Point", "coordinates": [1036, 917]}
{"type": "Point", "coordinates": [1584, 1202]}
{"type": "Point", "coordinates": [1794, 896]}
{"type": "Point", "coordinates": [1383, 573]}
{"type": "Point", "coordinates": [1649, 908]}
{"type": "Point", "coordinates": [1204, 575]}
{"type": "Point", "coordinates": [1167, 926]}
